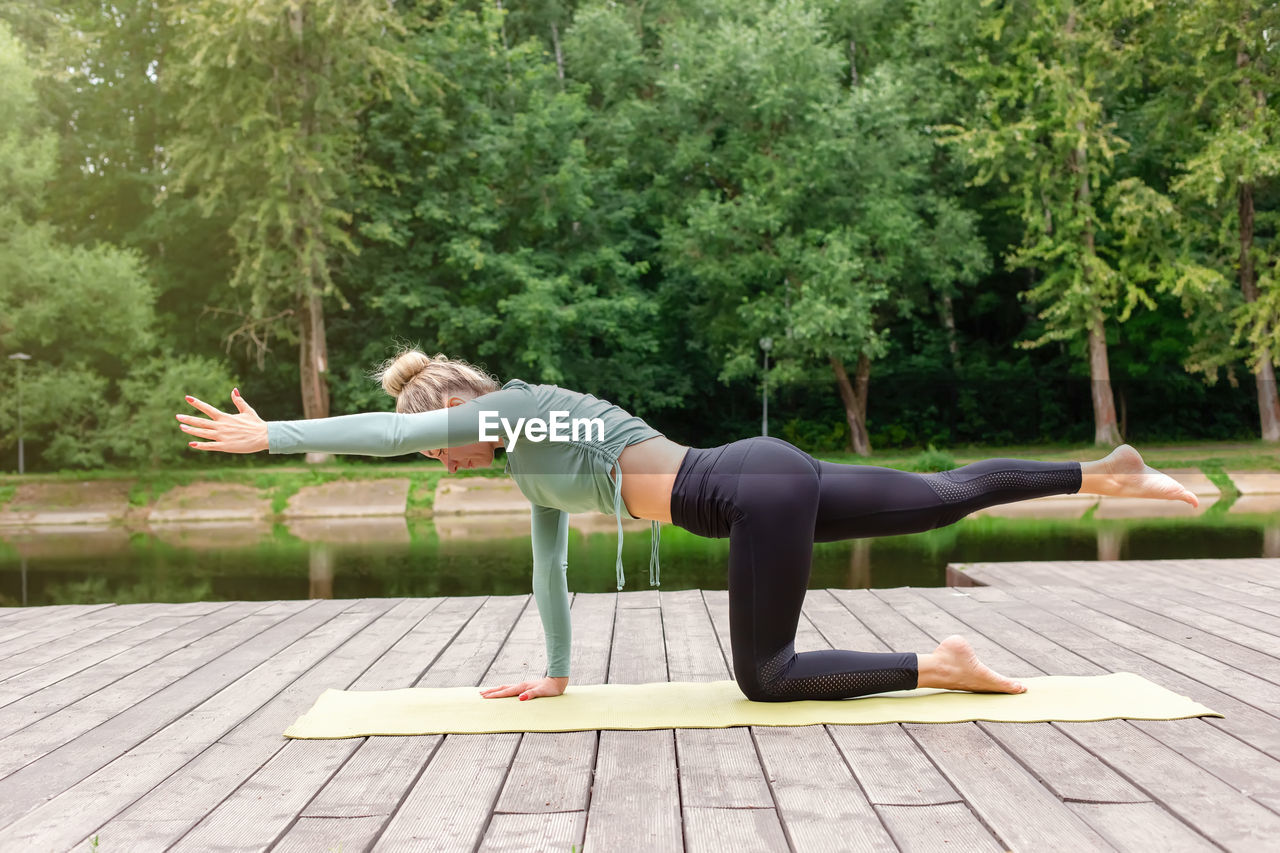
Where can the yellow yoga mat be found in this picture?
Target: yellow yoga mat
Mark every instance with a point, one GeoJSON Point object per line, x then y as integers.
{"type": "Point", "coordinates": [719, 704]}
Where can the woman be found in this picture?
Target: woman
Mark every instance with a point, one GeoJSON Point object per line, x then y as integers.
{"type": "Point", "coordinates": [572, 452]}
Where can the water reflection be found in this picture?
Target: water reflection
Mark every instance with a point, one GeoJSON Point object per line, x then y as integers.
{"type": "Point", "coordinates": [490, 554]}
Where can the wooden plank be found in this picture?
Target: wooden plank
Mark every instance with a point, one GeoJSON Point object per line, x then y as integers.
{"type": "Point", "coordinates": [59, 626]}
{"type": "Point", "coordinates": [1223, 617]}
{"type": "Point", "coordinates": [1063, 766]}
{"type": "Point", "coordinates": [1040, 573]}
{"type": "Point", "coordinates": [552, 770]}
{"type": "Point", "coordinates": [520, 833]}
{"type": "Point", "coordinates": [310, 834]}
{"type": "Point", "coordinates": [449, 805]}
{"type": "Point", "coordinates": [1142, 826]}
{"type": "Point", "coordinates": [1213, 578]}
{"type": "Point", "coordinates": [1216, 809]}
{"type": "Point", "coordinates": [719, 768]}
{"type": "Point", "coordinates": [891, 767]}
{"type": "Point", "coordinates": [839, 628]}
{"type": "Point", "coordinates": [885, 761]}
{"type": "Point", "coordinates": [894, 630]}
{"type": "Point", "coordinates": [936, 826]}
{"type": "Point", "coordinates": [91, 733]}
{"type": "Point", "coordinates": [1013, 803]}
{"type": "Point", "coordinates": [45, 641]}
{"type": "Point", "coordinates": [635, 799]}
{"type": "Point", "coordinates": [1229, 758]}
{"type": "Point", "coordinates": [54, 714]}
{"type": "Point", "coordinates": [1071, 772]}
{"type": "Point", "coordinates": [986, 776]}
{"type": "Point", "coordinates": [387, 644]}
{"type": "Point", "coordinates": [1259, 570]}
{"type": "Point", "coordinates": [293, 776]}
{"type": "Point", "coordinates": [1161, 616]}
{"type": "Point", "coordinates": [1243, 721]}
{"type": "Point", "coordinates": [48, 666]}
{"type": "Point", "coordinates": [1246, 687]}
{"type": "Point", "coordinates": [15, 621]}
{"type": "Point", "coordinates": [464, 777]}
{"type": "Point", "coordinates": [819, 802]}
{"type": "Point", "coordinates": [719, 830]}
{"type": "Point", "coordinates": [1239, 760]}
{"type": "Point", "coordinates": [544, 803]}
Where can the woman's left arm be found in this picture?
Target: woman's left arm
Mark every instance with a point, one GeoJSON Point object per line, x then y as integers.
{"type": "Point", "coordinates": [369, 433]}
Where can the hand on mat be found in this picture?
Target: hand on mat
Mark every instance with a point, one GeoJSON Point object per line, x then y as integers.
{"type": "Point", "coordinates": [231, 433]}
{"type": "Point", "coordinates": [528, 689]}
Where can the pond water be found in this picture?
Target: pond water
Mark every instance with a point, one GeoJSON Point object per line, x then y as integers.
{"type": "Point", "coordinates": [392, 557]}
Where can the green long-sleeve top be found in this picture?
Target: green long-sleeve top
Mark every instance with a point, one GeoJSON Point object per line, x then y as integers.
{"type": "Point", "coordinates": [562, 472]}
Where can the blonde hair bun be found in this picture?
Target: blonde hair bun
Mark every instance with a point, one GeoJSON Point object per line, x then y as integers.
{"type": "Point", "coordinates": [421, 382]}
{"type": "Point", "coordinates": [398, 372]}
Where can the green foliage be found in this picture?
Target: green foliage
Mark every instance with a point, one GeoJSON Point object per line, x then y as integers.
{"type": "Point", "coordinates": [1222, 51]}
{"type": "Point", "coordinates": [142, 424]}
{"type": "Point", "coordinates": [94, 391]}
{"type": "Point", "coordinates": [816, 436]}
{"type": "Point", "coordinates": [624, 198]}
{"type": "Point", "coordinates": [1052, 75]}
{"type": "Point", "coordinates": [931, 459]}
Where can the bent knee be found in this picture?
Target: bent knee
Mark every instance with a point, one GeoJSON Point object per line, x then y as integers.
{"type": "Point", "coordinates": [754, 690]}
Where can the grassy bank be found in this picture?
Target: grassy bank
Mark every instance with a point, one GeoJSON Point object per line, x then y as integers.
{"type": "Point", "coordinates": [280, 482]}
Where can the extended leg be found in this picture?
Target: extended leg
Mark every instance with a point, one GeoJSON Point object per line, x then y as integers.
{"type": "Point", "coordinates": [865, 500]}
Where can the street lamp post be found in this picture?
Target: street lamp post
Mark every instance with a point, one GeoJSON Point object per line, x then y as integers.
{"type": "Point", "coordinates": [766, 344]}
{"type": "Point", "coordinates": [20, 357]}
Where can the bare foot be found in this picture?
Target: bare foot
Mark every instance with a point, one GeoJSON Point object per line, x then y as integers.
{"type": "Point", "coordinates": [954, 665]}
{"type": "Point", "coordinates": [1122, 473]}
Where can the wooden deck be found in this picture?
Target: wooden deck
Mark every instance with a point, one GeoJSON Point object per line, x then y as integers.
{"type": "Point", "coordinates": [159, 725]}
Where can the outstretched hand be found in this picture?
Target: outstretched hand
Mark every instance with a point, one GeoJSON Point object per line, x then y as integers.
{"type": "Point", "coordinates": [528, 689]}
{"type": "Point", "coordinates": [228, 432]}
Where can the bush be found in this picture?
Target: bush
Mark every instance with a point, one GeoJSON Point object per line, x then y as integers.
{"type": "Point", "coordinates": [930, 460]}
{"type": "Point", "coordinates": [142, 430]}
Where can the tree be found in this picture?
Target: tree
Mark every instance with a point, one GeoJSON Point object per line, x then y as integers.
{"type": "Point", "coordinates": [1224, 52]}
{"type": "Point", "coordinates": [84, 312]}
{"type": "Point", "coordinates": [272, 93]}
{"type": "Point", "coordinates": [805, 208]}
{"type": "Point", "coordinates": [1048, 72]}
{"type": "Point", "coordinates": [501, 226]}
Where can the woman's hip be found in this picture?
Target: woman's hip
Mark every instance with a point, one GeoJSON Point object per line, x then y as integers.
{"type": "Point", "coordinates": [716, 486]}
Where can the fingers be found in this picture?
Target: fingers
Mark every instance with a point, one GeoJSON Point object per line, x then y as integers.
{"type": "Point", "coordinates": [205, 407]}
{"type": "Point", "coordinates": [506, 690]}
{"type": "Point", "coordinates": [200, 433]}
{"type": "Point", "coordinates": [240, 402]}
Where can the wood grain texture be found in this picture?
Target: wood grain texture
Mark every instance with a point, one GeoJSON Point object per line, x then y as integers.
{"type": "Point", "coordinates": [160, 726]}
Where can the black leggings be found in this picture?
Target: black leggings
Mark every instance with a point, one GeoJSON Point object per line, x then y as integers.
{"type": "Point", "coordinates": [773, 501]}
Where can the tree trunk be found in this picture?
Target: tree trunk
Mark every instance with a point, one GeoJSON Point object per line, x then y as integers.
{"type": "Point", "coordinates": [1104, 408]}
{"type": "Point", "coordinates": [1105, 431]}
{"type": "Point", "coordinates": [555, 40]}
{"type": "Point", "coordinates": [1265, 375]}
{"type": "Point", "coordinates": [313, 362]}
{"type": "Point", "coordinates": [854, 396]}
{"type": "Point", "coordinates": [313, 354]}
{"type": "Point", "coordinates": [949, 323]}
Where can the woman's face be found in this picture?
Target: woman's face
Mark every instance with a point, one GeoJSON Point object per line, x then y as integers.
{"type": "Point", "coordinates": [476, 455]}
